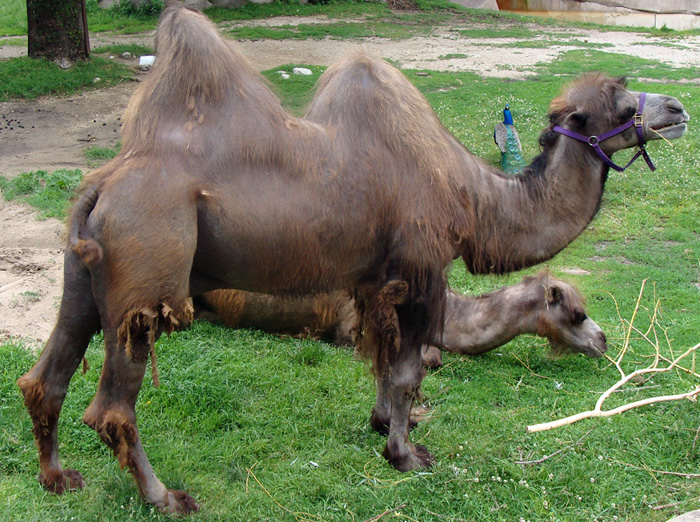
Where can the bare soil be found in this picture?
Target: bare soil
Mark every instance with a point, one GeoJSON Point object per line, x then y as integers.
{"type": "Point", "coordinates": [52, 133]}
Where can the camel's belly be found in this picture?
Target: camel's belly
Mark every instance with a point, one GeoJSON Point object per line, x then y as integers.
{"type": "Point", "coordinates": [285, 245]}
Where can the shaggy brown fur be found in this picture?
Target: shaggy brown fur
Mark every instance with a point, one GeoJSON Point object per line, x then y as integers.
{"type": "Point", "coordinates": [217, 186]}
{"type": "Point", "coordinates": [329, 316]}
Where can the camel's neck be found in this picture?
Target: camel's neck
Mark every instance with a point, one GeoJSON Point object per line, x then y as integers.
{"type": "Point", "coordinates": [524, 220]}
{"type": "Point", "coordinates": [475, 325]}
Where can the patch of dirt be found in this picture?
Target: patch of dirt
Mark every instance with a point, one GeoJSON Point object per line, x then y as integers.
{"type": "Point", "coordinates": [31, 273]}
{"type": "Point", "coordinates": [52, 133]}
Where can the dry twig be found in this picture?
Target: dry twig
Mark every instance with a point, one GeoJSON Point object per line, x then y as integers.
{"type": "Point", "coordinates": [657, 471]}
{"type": "Point", "coordinates": [388, 512]}
{"type": "Point", "coordinates": [547, 457]}
{"type": "Point", "coordinates": [299, 516]}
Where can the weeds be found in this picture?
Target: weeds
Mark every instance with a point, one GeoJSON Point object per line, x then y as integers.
{"type": "Point", "coordinates": [97, 156]}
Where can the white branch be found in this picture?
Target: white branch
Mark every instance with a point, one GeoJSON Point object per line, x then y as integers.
{"type": "Point", "coordinates": [653, 368]}
{"type": "Point", "coordinates": [608, 413]}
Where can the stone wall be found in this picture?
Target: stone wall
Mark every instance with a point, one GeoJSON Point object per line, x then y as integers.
{"type": "Point", "coordinates": [615, 6]}
{"type": "Point", "coordinates": [674, 14]}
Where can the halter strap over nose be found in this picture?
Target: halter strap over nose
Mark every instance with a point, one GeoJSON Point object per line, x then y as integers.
{"type": "Point", "coordinates": [594, 141]}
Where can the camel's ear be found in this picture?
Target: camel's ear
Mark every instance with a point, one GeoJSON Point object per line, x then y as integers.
{"type": "Point", "coordinates": [621, 80]}
{"type": "Point", "coordinates": [554, 295]}
{"type": "Point", "coordinates": [576, 119]}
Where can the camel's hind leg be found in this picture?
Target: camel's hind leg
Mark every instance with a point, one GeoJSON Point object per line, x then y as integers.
{"type": "Point", "coordinates": [141, 293]}
{"type": "Point", "coordinates": [112, 412]}
{"type": "Point", "coordinates": [45, 385]}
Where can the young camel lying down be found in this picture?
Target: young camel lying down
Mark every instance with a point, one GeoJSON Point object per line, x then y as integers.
{"type": "Point", "coordinates": [540, 305]}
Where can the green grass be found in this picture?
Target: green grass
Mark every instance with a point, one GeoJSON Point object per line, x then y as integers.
{"type": "Point", "coordinates": [17, 42]}
{"type": "Point", "coordinates": [118, 49]}
{"type": "Point", "coordinates": [335, 30]}
{"type": "Point", "coordinates": [451, 56]}
{"type": "Point", "coordinates": [513, 31]}
{"type": "Point", "coordinates": [333, 9]}
{"type": "Point", "coordinates": [29, 79]}
{"type": "Point", "coordinates": [543, 44]}
{"type": "Point", "coordinates": [585, 60]}
{"type": "Point", "coordinates": [295, 92]}
{"type": "Point", "coordinates": [262, 428]}
{"type": "Point", "coordinates": [97, 156]}
{"type": "Point", "coordinates": [49, 193]}
{"type": "Point", "coordinates": [13, 17]}
{"type": "Point", "coordinates": [123, 18]}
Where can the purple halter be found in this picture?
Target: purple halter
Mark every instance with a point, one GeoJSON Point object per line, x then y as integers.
{"type": "Point", "coordinates": [595, 141]}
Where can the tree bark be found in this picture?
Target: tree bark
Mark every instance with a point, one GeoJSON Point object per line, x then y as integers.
{"type": "Point", "coordinates": [57, 30]}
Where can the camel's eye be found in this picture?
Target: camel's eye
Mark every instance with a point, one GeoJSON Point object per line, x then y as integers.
{"type": "Point", "coordinates": [579, 316]}
{"type": "Point", "coordinates": [628, 113]}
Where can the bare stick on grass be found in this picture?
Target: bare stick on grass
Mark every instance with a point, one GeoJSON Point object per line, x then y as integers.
{"type": "Point", "coordinates": [634, 377]}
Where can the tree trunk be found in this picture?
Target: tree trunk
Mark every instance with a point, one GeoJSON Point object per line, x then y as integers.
{"type": "Point", "coordinates": [57, 30]}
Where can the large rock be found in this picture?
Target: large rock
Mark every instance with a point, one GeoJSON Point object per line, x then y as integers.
{"type": "Point", "coordinates": [616, 6]}
{"type": "Point", "coordinates": [673, 14]}
{"type": "Point", "coordinates": [478, 4]}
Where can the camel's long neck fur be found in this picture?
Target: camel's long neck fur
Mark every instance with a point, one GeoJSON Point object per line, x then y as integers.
{"type": "Point", "coordinates": [524, 220]}
{"type": "Point", "coordinates": [475, 325]}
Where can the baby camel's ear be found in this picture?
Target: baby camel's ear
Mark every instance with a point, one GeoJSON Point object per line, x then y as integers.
{"type": "Point", "coordinates": [554, 294]}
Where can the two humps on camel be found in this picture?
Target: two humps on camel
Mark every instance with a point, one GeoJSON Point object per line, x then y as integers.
{"type": "Point", "coordinates": [368, 193]}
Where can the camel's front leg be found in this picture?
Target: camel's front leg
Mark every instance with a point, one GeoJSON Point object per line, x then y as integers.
{"type": "Point", "coordinates": [380, 419]}
{"type": "Point", "coordinates": [391, 333]}
{"type": "Point", "coordinates": [112, 412]}
{"type": "Point", "coordinates": [381, 413]}
{"type": "Point", "coordinates": [403, 384]}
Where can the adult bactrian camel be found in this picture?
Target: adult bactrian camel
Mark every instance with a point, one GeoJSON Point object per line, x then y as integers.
{"type": "Point", "coordinates": [217, 186]}
{"type": "Point", "coordinates": [542, 305]}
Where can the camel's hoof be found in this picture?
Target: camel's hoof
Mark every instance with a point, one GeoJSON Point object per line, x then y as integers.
{"type": "Point", "coordinates": [180, 503]}
{"type": "Point", "coordinates": [59, 482]}
{"type": "Point", "coordinates": [419, 457]}
{"type": "Point", "coordinates": [381, 424]}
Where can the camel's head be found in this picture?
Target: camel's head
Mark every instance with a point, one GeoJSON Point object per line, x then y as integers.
{"type": "Point", "coordinates": [594, 105]}
{"type": "Point", "coordinates": [565, 323]}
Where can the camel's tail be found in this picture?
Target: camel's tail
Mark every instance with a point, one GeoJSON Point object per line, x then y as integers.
{"type": "Point", "coordinates": [87, 249]}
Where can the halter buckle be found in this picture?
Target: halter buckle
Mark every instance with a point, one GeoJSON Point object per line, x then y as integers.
{"type": "Point", "coordinates": [638, 120]}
